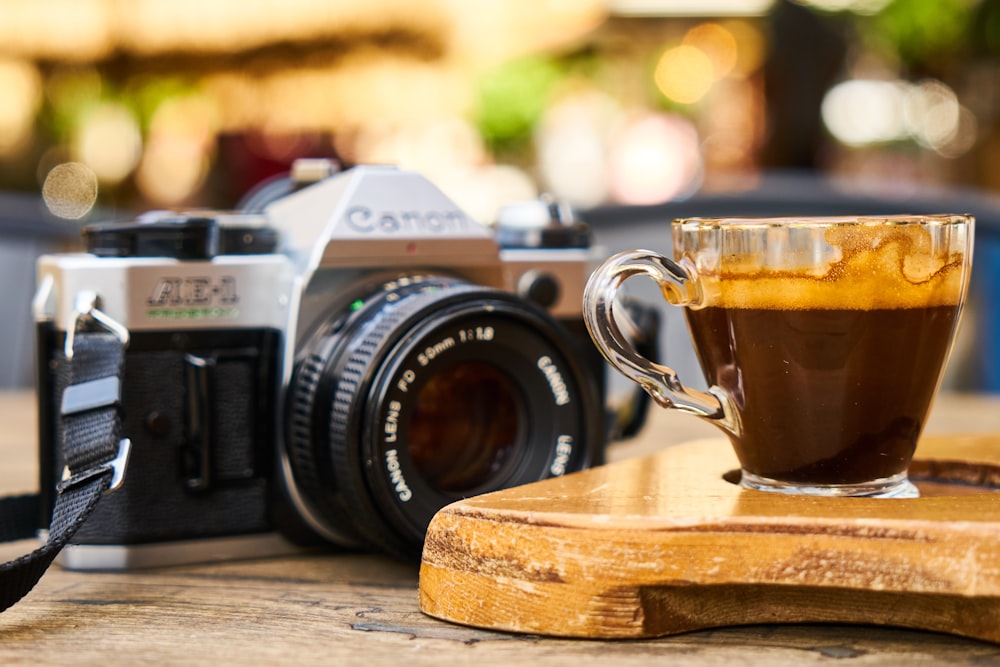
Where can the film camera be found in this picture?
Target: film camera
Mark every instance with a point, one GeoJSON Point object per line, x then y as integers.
{"type": "Point", "coordinates": [334, 362]}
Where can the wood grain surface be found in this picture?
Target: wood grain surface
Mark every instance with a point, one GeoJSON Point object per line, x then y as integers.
{"type": "Point", "coordinates": [359, 609]}
{"type": "Point", "coordinates": [665, 544]}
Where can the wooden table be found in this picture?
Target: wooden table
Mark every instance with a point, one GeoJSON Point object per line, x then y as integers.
{"type": "Point", "coordinates": [346, 609]}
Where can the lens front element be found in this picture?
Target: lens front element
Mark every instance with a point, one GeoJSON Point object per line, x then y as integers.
{"type": "Point", "coordinates": [465, 426]}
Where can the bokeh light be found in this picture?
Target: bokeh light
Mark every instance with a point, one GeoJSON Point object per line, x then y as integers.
{"type": "Point", "coordinates": [655, 157]}
{"type": "Point", "coordinates": [708, 53]}
{"type": "Point", "coordinates": [930, 112]}
{"type": "Point", "coordinates": [716, 42]}
{"type": "Point", "coordinates": [70, 190]}
{"type": "Point", "coordinates": [964, 138]}
{"type": "Point", "coordinates": [176, 160]}
{"type": "Point", "coordinates": [866, 112]}
{"type": "Point", "coordinates": [572, 142]}
{"type": "Point", "coordinates": [109, 142]}
{"type": "Point", "coordinates": [860, 112]}
{"type": "Point", "coordinates": [684, 74]}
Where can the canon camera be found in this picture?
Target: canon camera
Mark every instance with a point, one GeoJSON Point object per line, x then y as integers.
{"type": "Point", "coordinates": [334, 362]}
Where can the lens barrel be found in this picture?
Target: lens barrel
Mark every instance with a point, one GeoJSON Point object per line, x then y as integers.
{"type": "Point", "coordinates": [428, 390]}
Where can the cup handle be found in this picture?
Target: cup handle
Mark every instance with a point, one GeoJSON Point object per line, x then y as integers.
{"type": "Point", "coordinates": [680, 287]}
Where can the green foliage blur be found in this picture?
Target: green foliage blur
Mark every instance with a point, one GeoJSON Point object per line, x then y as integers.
{"type": "Point", "coordinates": [511, 99]}
{"type": "Point", "coordinates": [922, 33]}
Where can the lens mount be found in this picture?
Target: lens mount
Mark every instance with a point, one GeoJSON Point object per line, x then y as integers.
{"type": "Point", "coordinates": [434, 390]}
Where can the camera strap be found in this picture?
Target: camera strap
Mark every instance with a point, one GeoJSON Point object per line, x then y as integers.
{"type": "Point", "coordinates": [90, 433]}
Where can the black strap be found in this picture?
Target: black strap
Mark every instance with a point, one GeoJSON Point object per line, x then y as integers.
{"type": "Point", "coordinates": [90, 432]}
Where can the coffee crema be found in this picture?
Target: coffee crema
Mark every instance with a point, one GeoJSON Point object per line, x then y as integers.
{"type": "Point", "coordinates": [865, 268]}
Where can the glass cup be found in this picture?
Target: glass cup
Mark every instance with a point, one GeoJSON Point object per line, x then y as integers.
{"type": "Point", "coordinates": [823, 339]}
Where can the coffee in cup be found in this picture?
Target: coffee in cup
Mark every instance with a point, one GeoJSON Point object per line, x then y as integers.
{"type": "Point", "coordinates": [823, 340]}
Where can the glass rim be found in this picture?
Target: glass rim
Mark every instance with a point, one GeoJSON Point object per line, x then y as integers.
{"type": "Point", "coordinates": [820, 221]}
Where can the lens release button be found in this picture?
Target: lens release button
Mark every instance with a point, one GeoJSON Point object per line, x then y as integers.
{"type": "Point", "coordinates": [540, 288]}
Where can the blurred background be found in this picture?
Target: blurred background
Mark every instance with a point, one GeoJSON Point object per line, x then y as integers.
{"type": "Point", "coordinates": [161, 103]}
{"type": "Point", "coordinates": [632, 110]}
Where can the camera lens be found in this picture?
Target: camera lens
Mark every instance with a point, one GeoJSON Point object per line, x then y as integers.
{"type": "Point", "coordinates": [426, 390]}
{"type": "Point", "coordinates": [470, 402]}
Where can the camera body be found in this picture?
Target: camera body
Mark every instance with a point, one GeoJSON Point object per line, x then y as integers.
{"type": "Point", "coordinates": [331, 364]}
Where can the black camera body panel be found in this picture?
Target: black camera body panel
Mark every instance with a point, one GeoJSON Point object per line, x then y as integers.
{"type": "Point", "coordinates": [198, 410]}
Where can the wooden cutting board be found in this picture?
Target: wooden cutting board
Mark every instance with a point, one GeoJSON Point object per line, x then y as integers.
{"type": "Point", "coordinates": [665, 544]}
